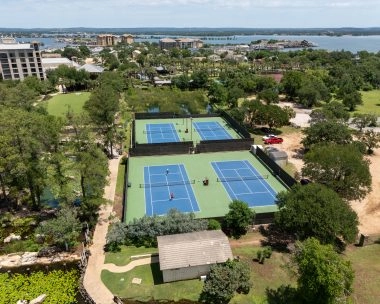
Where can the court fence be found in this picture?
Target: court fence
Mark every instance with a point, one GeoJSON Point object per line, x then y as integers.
{"type": "Point", "coordinates": [224, 145]}
{"type": "Point", "coordinates": [171, 148]}
{"type": "Point", "coordinates": [241, 130]}
{"type": "Point", "coordinates": [165, 115]}
{"type": "Point", "coordinates": [125, 188]}
{"type": "Point", "coordinates": [288, 180]}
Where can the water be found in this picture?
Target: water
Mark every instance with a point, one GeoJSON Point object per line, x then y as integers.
{"type": "Point", "coordinates": [330, 43]}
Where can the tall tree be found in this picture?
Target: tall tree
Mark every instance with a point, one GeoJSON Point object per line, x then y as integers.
{"type": "Point", "coordinates": [238, 219]}
{"type": "Point", "coordinates": [341, 168]}
{"type": "Point", "coordinates": [224, 281]}
{"type": "Point", "coordinates": [316, 211]}
{"type": "Point", "coordinates": [323, 276]}
{"type": "Point", "coordinates": [102, 107]}
{"type": "Point", "coordinates": [326, 131]}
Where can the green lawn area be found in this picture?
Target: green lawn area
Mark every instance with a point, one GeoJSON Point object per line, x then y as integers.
{"type": "Point", "coordinates": [123, 257]}
{"type": "Point", "coordinates": [371, 103]}
{"type": "Point", "coordinates": [59, 104]}
{"type": "Point", "coordinates": [151, 286]}
{"type": "Point", "coordinates": [270, 275]}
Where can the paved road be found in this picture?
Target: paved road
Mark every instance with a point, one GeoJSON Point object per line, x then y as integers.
{"type": "Point", "coordinates": [92, 280]}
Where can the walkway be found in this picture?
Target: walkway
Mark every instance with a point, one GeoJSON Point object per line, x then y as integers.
{"type": "Point", "coordinates": [120, 269]}
{"type": "Point", "coordinates": [92, 278]}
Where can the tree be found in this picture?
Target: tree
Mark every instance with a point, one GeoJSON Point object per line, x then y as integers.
{"type": "Point", "coordinates": [224, 280]}
{"type": "Point", "coordinates": [102, 107]}
{"type": "Point", "coordinates": [327, 131]}
{"type": "Point", "coordinates": [316, 211]}
{"type": "Point", "coordinates": [364, 120]}
{"type": "Point", "coordinates": [275, 117]}
{"type": "Point", "coordinates": [291, 83]}
{"type": "Point", "coordinates": [238, 219]}
{"type": "Point", "coordinates": [371, 139]}
{"type": "Point", "coordinates": [217, 93]}
{"type": "Point", "coordinates": [116, 236]}
{"type": "Point", "coordinates": [64, 230]}
{"type": "Point", "coordinates": [342, 168]}
{"type": "Point", "coordinates": [268, 95]}
{"type": "Point", "coordinates": [323, 276]}
{"type": "Point", "coordinates": [351, 100]}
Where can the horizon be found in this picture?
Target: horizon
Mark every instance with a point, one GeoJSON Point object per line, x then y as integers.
{"type": "Point", "coordinates": [250, 14]}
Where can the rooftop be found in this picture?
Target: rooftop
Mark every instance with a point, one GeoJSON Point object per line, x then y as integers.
{"type": "Point", "coordinates": [193, 249]}
{"type": "Point", "coordinates": [16, 46]}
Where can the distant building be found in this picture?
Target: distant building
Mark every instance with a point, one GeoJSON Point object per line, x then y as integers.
{"type": "Point", "coordinates": [127, 39]}
{"type": "Point", "coordinates": [106, 40]}
{"type": "Point", "coordinates": [190, 255]}
{"type": "Point", "coordinates": [20, 60]}
{"type": "Point", "coordinates": [181, 43]}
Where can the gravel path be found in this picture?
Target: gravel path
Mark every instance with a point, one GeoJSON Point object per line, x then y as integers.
{"type": "Point", "coordinates": [119, 269]}
{"type": "Point", "coordinates": [92, 279]}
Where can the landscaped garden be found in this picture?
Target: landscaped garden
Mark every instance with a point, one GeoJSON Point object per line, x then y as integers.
{"type": "Point", "coordinates": [59, 104]}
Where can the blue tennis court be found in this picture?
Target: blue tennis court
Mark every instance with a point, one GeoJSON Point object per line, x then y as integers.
{"type": "Point", "coordinates": [161, 133]}
{"type": "Point", "coordinates": [168, 187]}
{"type": "Point", "coordinates": [242, 182]}
{"type": "Point", "coordinates": [211, 130]}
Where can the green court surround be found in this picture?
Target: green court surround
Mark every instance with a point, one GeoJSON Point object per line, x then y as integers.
{"type": "Point", "coordinates": [213, 199]}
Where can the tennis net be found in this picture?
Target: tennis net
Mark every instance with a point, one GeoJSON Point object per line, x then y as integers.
{"type": "Point", "coordinates": [159, 131]}
{"type": "Point", "coordinates": [209, 129]}
{"type": "Point", "coordinates": [165, 184]}
{"type": "Point", "coordinates": [241, 178]}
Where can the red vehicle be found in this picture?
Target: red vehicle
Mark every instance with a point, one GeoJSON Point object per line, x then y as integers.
{"type": "Point", "coordinates": [273, 140]}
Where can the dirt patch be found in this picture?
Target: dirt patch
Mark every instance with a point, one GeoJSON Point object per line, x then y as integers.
{"type": "Point", "coordinates": [368, 209]}
{"type": "Point", "coordinates": [292, 145]}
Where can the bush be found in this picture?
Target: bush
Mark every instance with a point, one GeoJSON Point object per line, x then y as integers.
{"type": "Point", "coordinates": [213, 225]}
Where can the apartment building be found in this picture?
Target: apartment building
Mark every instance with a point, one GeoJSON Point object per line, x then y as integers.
{"type": "Point", "coordinates": [181, 43]}
{"type": "Point", "coordinates": [106, 40]}
{"type": "Point", "coordinates": [19, 60]}
{"type": "Point", "coordinates": [127, 39]}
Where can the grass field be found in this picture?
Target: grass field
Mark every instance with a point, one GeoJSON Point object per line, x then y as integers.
{"type": "Point", "coordinates": [59, 104]}
{"type": "Point", "coordinates": [268, 276]}
{"type": "Point", "coordinates": [151, 287]}
{"type": "Point", "coordinates": [123, 257]}
{"type": "Point", "coordinates": [371, 103]}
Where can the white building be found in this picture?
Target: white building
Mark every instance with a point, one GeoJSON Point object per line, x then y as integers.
{"type": "Point", "coordinates": [19, 60]}
{"type": "Point", "coordinates": [190, 255]}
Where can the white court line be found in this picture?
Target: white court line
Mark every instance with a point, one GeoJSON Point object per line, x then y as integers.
{"type": "Point", "coordinates": [187, 191]}
{"type": "Point", "coordinates": [228, 193]}
{"type": "Point", "coordinates": [250, 168]}
{"type": "Point", "coordinates": [150, 189]}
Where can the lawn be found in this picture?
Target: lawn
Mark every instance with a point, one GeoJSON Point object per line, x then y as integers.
{"type": "Point", "coordinates": [59, 104]}
{"type": "Point", "coordinates": [123, 257]}
{"type": "Point", "coordinates": [151, 286]}
{"type": "Point", "coordinates": [270, 275]}
{"type": "Point", "coordinates": [371, 103]}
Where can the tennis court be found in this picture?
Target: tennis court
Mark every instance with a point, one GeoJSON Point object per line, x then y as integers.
{"type": "Point", "coordinates": [161, 133]}
{"type": "Point", "coordinates": [207, 201]}
{"type": "Point", "coordinates": [167, 187]}
{"type": "Point", "coordinates": [243, 182]}
{"type": "Point", "coordinates": [182, 129]}
{"type": "Point", "coordinates": [211, 130]}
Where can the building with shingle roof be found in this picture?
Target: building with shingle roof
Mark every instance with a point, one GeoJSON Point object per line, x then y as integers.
{"type": "Point", "coordinates": [190, 255]}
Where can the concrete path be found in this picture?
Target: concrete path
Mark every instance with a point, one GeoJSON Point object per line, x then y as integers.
{"type": "Point", "coordinates": [92, 279]}
{"type": "Point", "coordinates": [119, 269]}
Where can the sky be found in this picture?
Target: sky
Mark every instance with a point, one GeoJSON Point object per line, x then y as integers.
{"type": "Point", "coordinates": [189, 13]}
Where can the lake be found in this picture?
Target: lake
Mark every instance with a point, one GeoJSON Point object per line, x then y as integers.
{"type": "Point", "coordinates": [330, 43]}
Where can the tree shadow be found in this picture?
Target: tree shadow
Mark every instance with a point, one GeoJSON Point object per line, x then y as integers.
{"type": "Point", "coordinates": [285, 294]}
{"type": "Point", "coordinates": [276, 238]}
{"type": "Point", "coordinates": [156, 273]}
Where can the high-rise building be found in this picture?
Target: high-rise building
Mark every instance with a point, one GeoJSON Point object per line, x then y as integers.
{"type": "Point", "coordinates": [106, 40]}
{"type": "Point", "coordinates": [19, 60]}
